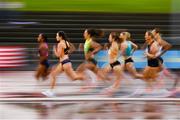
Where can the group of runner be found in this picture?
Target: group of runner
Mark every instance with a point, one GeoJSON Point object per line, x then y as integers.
{"type": "Point", "coordinates": [120, 44]}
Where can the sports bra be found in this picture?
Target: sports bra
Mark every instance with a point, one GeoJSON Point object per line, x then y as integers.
{"type": "Point", "coordinates": [66, 50]}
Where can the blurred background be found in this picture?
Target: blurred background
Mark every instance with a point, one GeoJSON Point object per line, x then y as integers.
{"type": "Point", "coordinates": [22, 20]}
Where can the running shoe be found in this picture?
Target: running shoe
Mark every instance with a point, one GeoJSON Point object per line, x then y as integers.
{"type": "Point", "coordinates": [49, 93]}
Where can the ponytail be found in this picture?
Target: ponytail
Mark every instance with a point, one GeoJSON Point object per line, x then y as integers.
{"type": "Point", "coordinates": [95, 32]}
{"type": "Point", "coordinates": [44, 37]}
{"type": "Point", "coordinates": [115, 36]}
{"type": "Point", "coordinates": [63, 35]}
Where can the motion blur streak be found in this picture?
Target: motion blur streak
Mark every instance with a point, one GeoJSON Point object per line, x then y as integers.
{"type": "Point", "coordinates": [12, 56]}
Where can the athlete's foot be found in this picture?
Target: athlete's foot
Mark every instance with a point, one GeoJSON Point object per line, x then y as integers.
{"type": "Point", "coordinates": [48, 93]}
{"type": "Point", "coordinates": [88, 87]}
{"type": "Point", "coordinates": [166, 73]}
{"type": "Point", "coordinates": [109, 91]}
{"type": "Point", "coordinates": [45, 78]}
{"type": "Point", "coordinates": [158, 93]}
{"type": "Point", "coordinates": [175, 92]}
{"type": "Point", "coordinates": [138, 92]}
{"type": "Point", "coordinates": [162, 93]}
{"type": "Point", "coordinates": [160, 84]}
{"type": "Point", "coordinates": [149, 90]}
{"type": "Point", "coordinates": [37, 78]}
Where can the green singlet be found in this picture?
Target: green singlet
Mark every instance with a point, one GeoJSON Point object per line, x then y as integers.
{"type": "Point", "coordinates": [87, 46]}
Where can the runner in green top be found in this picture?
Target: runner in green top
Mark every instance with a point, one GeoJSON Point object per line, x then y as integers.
{"type": "Point", "coordinates": [87, 45]}
{"type": "Point", "coordinates": [91, 47]}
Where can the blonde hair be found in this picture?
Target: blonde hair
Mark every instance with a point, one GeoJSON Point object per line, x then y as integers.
{"type": "Point", "coordinates": [128, 35]}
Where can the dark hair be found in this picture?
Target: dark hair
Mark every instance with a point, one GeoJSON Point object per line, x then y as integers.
{"type": "Point", "coordinates": [115, 36]}
{"type": "Point", "coordinates": [44, 37]}
{"type": "Point", "coordinates": [63, 35]}
{"type": "Point", "coordinates": [150, 34]}
{"type": "Point", "coordinates": [95, 32]}
{"type": "Point", "coordinates": [157, 30]}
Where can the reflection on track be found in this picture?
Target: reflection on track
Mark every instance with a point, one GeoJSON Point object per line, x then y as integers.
{"type": "Point", "coordinates": [91, 110]}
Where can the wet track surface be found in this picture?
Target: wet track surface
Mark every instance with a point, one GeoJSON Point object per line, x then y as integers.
{"type": "Point", "coordinates": [23, 85]}
{"type": "Point", "coordinates": [91, 110]}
